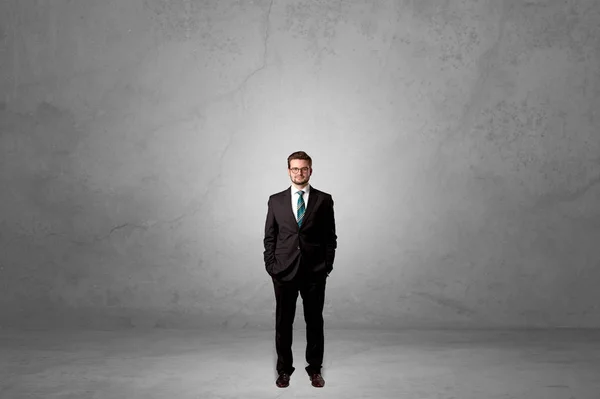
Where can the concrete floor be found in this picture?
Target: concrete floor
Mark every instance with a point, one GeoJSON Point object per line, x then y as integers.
{"type": "Point", "coordinates": [205, 364]}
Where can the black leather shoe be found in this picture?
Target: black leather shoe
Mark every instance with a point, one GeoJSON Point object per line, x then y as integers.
{"type": "Point", "coordinates": [283, 380]}
{"type": "Point", "coordinates": [317, 380]}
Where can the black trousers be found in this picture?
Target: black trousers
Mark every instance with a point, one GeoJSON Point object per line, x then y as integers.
{"type": "Point", "coordinates": [312, 291]}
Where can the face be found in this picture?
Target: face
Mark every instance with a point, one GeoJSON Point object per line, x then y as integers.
{"type": "Point", "coordinates": [301, 178]}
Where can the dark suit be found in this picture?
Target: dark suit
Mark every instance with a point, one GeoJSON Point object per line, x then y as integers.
{"type": "Point", "coordinates": [299, 259]}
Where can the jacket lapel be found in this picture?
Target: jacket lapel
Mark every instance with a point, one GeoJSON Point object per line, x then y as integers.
{"type": "Point", "coordinates": [288, 204]}
{"type": "Point", "coordinates": [312, 200]}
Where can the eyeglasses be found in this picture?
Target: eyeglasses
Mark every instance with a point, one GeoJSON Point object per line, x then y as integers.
{"type": "Point", "coordinates": [296, 170]}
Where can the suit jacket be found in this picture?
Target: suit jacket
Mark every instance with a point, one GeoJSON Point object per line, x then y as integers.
{"type": "Point", "coordinates": [310, 248]}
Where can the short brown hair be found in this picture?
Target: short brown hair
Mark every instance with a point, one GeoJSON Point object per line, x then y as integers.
{"type": "Point", "coordinates": [299, 155]}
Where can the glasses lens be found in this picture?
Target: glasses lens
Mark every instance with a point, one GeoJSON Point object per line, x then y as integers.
{"type": "Point", "coordinates": [297, 170]}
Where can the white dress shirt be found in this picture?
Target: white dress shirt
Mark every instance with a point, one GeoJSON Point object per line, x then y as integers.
{"type": "Point", "coordinates": [295, 199]}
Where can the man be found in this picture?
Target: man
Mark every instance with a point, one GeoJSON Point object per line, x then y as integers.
{"type": "Point", "coordinates": [300, 243]}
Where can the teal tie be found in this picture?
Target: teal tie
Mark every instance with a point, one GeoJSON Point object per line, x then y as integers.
{"type": "Point", "coordinates": [300, 207]}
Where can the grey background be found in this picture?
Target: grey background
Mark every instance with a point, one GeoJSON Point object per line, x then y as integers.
{"type": "Point", "coordinates": [140, 140]}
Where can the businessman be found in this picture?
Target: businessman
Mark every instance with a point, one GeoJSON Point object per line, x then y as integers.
{"type": "Point", "coordinates": [300, 243]}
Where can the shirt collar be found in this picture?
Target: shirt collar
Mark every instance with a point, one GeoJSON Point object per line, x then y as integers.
{"type": "Point", "coordinates": [295, 190]}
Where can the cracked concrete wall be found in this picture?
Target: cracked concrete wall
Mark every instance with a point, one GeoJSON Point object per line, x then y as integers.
{"type": "Point", "coordinates": [140, 141]}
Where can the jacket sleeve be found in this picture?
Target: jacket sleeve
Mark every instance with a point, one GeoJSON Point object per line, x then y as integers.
{"type": "Point", "coordinates": [271, 230]}
{"type": "Point", "coordinates": [331, 243]}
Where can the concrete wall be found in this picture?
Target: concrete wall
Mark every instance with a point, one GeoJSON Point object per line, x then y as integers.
{"type": "Point", "coordinates": [141, 139]}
